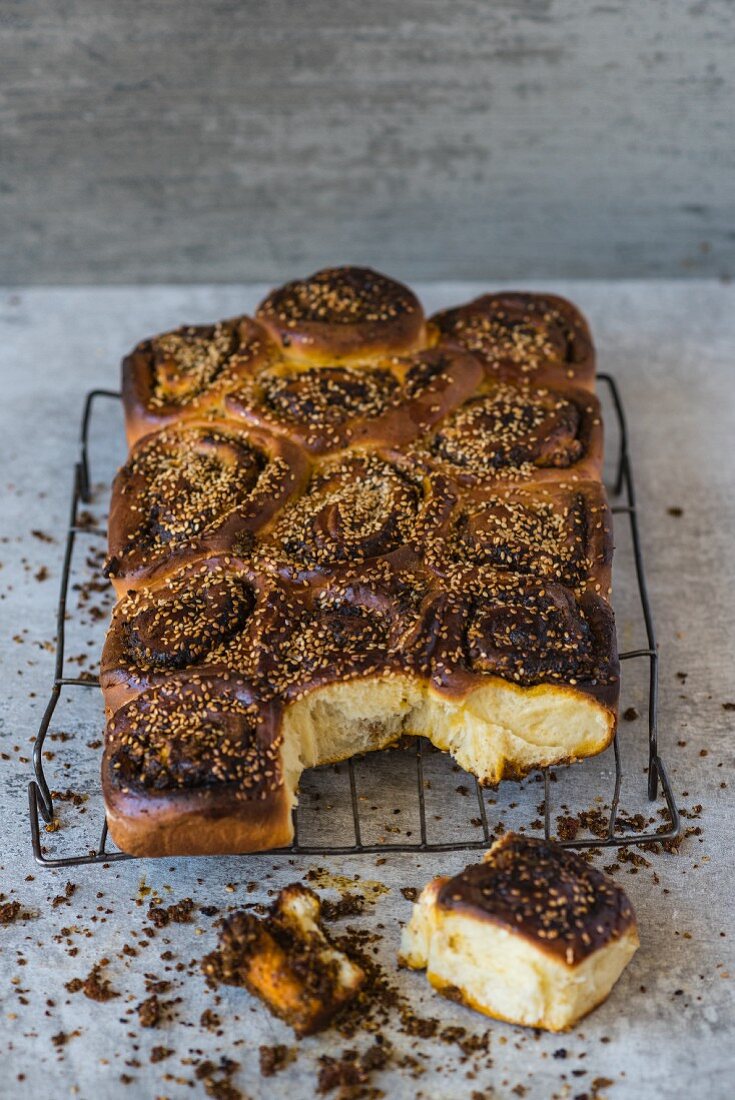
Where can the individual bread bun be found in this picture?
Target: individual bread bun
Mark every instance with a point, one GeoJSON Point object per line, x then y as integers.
{"type": "Point", "coordinates": [287, 960]}
{"type": "Point", "coordinates": [186, 373]}
{"type": "Point", "coordinates": [343, 313]}
{"type": "Point", "coordinates": [195, 768]}
{"type": "Point", "coordinates": [387, 401]}
{"type": "Point", "coordinates": [199, 619]}
{"type": "Point", "coordinates": [539, 339]}
{"type": "Point", "coordinates": [358, 506]}
{"type": "Point", "coordinates": [533, 935]}
{"type": "Point", "coordinates": [556, 531]}
{"type": "Point", "coordinates": [514, 434]}
{"type": "Point", "coordinates": [191, 490]}
{"type": "Point", "coordinates": [524, 675]}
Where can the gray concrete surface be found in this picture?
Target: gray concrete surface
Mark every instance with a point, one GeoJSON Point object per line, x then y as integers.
{"type": "Point", "coordinates": [230, 141]}
{"type": "Point", "coordinates": [667, 1030]}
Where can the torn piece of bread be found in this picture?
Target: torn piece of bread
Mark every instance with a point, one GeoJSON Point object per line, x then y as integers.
{"type": "Point", "coordinates": [287, 961]}
{"type": "Point", "coordinates": [532, 935]}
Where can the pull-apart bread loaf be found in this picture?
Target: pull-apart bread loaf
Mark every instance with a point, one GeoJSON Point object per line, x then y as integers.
{"type": "Point", "coordinates": [532, 935]}
{"type": "Point", "coordinates": [357, 525]}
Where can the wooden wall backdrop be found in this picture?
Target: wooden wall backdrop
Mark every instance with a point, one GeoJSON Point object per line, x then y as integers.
{"type": "Point", "coordinates": [201, 140]}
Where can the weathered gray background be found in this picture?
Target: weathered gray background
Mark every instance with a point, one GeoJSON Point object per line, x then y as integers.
{"type": "Point", "coordinates": [228, 140]}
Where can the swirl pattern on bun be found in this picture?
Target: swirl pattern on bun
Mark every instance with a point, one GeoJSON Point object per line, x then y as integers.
{"type": "Point", "coordinates": [537, 338]}
{"type": "Point", "coordinates": [201, 618]}
{"type": "Point", "coordinates": [556, 531]}
{"type": "Point", "coordinates": [527, 633]}
{"type": "Point", "coordinates": [514, 434]}
{"type": "Point", "coordinates": [186, 373]}
{"type": "Point", "coordinates": [358, 506]}
{"type": "Point", "coordinates": [377, 621]}
{"type": "Point", "coordinates": [344, 313]}
{"type": "Point", "coordinates": [330, 407]}
{"type": "Point", "coordinates": [189, 491]}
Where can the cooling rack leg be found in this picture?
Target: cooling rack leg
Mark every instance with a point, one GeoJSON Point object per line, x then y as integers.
{"type": "Point", "coordinates": [653, 771]}
{"type": "Point", "coordinates": [42, 792]}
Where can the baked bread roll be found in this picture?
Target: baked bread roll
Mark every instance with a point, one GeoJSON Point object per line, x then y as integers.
{"type": "Point", "coordinates": [508, 433]}
{"type": "Point", "coordinates": [186, 373]}
{"type": "Point", "coordinates": [287, 961]}
{"type": "Point", "coordinates": [384, 402]}
{"type": "Point", "coordinates": [556, 531]}
{"type": "Point", "coordinates": [194, 489]}
{"type": "Point", "coordinates": [195, 768]}
{"type": "Point", "coordinates": [344, 313]}
{"type": "Point", "coordinates": [536, 338]}
{"type": "Point", "coordinates": [372, 532]}
{"type": "Point", "coordinates": [200, 619]}
{"type": "Point", "coordinates": [532, 935]}
{"type": "Point", "coordinates": [358, 506]}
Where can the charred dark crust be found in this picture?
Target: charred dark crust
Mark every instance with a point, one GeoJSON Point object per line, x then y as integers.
{"type": "Point", "coordinates": [187, 736]}
{"type": "Point", "coordinates": [547, 894]}
{"type": "Point", "coordinates": [247, 943]}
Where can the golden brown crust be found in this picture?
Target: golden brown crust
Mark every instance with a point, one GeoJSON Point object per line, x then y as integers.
{"type": "Point", "coordinates": [510, 434]}
{"type": "Point", "coordinates": [200, 618]}
{"type": "Point", "coordinates": [185, 374]}
{"type": "Point", "coordinates": [547, 894]}
{"type": "Point", "coordinates": [341, 496]}
{"type": "Point", "coordinates": [556, 531]}
{"type": "Point", "coordinates": [192, 490]}
{"type": "Point", "coordinates": [387, 402]}
{"type": "Point", "coordinates": [344, 313]}
{"type": "Point", "coordinates": [526, 632]}
{"type": "Point", "coordinates": [376, 621]}
{"type": "Point", "coordinates": [359, 506]}
{"type": "Point", "coordinates": [540, 339]}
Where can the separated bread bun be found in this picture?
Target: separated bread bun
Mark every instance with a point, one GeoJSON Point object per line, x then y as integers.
{"type": "Point", "coordinates": [539, 339]}
{"type": "Point", "coordinates": [287, 961]}
{"type": "Point", "coordinates": [344, 313]}
{"type": "Point", "coordinates": [532, 935]}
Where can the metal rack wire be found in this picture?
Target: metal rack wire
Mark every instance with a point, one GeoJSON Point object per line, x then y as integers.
{"type": "Point", "coordinates": [40, 799]}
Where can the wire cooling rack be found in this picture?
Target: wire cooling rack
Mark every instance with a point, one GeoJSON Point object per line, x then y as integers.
{"type": "Point", "coordinates": [619, 830]}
